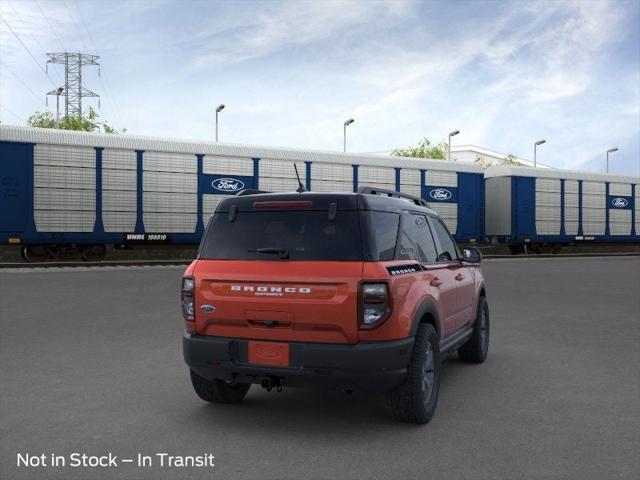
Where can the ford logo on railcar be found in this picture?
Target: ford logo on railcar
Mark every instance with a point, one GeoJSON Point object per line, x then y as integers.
{"type": "Point", "coordinates": [228, 184]}
{"type": "Point", "coordinates": [440, 194]}
{"type": "Point", "coordinates": [619, 202]}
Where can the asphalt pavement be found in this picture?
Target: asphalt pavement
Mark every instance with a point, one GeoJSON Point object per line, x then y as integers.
{"type": "Point", "coordinates": [91, 363]}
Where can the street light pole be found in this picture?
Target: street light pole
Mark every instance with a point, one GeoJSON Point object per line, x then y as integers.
{"type": "Point", "coordinates": [611, 150]}
{"type": "Point", "coordinates": [535, 152]}
{"type": "Point", "coordinates": [58, 93]}
{"type": "Point", "coordinates": [344, 137]}
{"type": "Point", "coordinates": [218, 110]}
{"type": "Point", "coordinates": [451, 134]}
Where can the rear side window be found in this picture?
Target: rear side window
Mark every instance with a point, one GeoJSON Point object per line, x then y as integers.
{"type": "Point", "coordinates": [264, 235]}
{"type": "Point", "coordinates": [425, 246]}
{"type": "Point", "coordinates": [447, 250]}
{"type": "Point", "coordinates": [382, 234]}
{"type": "Point", "coordinates": [415, 241]}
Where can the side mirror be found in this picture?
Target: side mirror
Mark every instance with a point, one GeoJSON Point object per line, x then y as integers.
{"type": "Point", "coordinates": [471, 255]}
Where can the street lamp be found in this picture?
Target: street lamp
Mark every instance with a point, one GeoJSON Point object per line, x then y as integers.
{"type": "Point", "coordinates": [451, 134]}
{"type": "Point", "coordinates": [347, 122]}
{"type": "Point", "coordinates": [611, 150]}
{"type": "Point", "coordinates": [218, 110]}
{"type": "Point", "coordinates": [535, 152]}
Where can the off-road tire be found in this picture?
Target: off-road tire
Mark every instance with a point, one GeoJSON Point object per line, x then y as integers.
{"type": "Point", "coordinates": [218, 391]}
{"type": "Point", "coordinates": [476, 348]}
{"type": "Point", "coordinates": [409, 402]}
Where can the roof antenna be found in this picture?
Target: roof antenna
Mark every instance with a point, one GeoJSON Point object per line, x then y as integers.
{"type": "Point", "coordinates": [300, 188]}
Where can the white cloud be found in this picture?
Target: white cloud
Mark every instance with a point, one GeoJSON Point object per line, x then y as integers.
{"type": "Point", "coordinates": [291, 72]}
{"type": "Point", "coordinates": [277, 26]}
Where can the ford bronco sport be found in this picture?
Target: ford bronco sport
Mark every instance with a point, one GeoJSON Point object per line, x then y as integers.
{"type": "Point", "coordinates": [351, 291]}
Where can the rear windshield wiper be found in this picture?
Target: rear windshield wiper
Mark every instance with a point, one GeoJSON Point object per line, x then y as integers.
{"type": "Point", "coordinates": [283, 252]}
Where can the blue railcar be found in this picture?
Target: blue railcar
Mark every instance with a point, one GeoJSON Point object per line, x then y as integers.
{"type": "Point", "coordinates": [533, 208]}
{"type": "Point", "coordinates": [76, 190]}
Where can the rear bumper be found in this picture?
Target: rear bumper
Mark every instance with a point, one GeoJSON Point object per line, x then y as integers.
{"type": "Point", "coordinates": [373, 367]}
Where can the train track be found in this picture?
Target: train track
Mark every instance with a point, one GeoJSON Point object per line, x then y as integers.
{"type": "Point", "coordinates": [183, 262]}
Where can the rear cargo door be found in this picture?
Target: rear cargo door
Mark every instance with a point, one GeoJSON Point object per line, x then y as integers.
{"type": "Point", "coordinates": [297, 301]}
{"type": "Point", "coordinates": [14, 176]}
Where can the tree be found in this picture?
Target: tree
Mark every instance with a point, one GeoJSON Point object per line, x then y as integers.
{"type": "Point", "coordinates": [88, 123]}
{"type": "Point", "coordinates": [424, 149]}
{"type": "Point", "coordinates": [510, 159]}
{"type": "Point", "coordinates": [483, 162]}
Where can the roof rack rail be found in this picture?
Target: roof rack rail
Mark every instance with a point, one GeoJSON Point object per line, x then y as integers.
{"type": "Point", "coordinates": [250, 191]}
{"type": "Point", "coordinates": [392, 193]}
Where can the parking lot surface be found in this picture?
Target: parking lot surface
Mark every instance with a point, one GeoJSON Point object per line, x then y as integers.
{"type": "Point", "coordinates": [92, 362]}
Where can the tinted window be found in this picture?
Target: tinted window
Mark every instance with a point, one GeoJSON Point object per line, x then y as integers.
{"type": "Point", "coordinates": [304, 235]}
{"type": "Point", "coordinates": [382, 234]}
{"type": "Point", "coordinates": [448, 250]}
{"type": "Point", "coordinates": [407, 239]}
{"type": "Point", "coordinates": [406, 246]}
{"type": "Point", "coordinates": [426, 248]}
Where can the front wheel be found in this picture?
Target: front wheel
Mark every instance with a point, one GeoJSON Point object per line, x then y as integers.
{"type": "Point", "coordinates": [218, 391]}
{"type": "Point", "coordinates": [415, 400]}
{"type": "Point", "coordinates": [476, 348]}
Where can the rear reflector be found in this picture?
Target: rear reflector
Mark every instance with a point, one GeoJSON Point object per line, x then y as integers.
{"type": "Point", "coordinates": [284, 204]}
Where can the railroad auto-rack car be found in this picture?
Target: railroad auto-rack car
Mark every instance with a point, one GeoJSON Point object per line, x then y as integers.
{"type": "Point", "coordinates": [65, 190]}
{"type": "Point", "coordinates": [533, 209]}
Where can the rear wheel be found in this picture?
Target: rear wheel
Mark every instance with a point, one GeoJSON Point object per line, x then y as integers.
{"type": "Point", "coordinates": [476, 348]}
{"type": "Point", "coordinates": [415, 400]}
{"type": "Point", "coordinates": [218, 391]}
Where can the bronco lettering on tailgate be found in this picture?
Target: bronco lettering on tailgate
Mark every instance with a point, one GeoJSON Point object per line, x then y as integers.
{"type": "Point", "coordinates": [269, 291]}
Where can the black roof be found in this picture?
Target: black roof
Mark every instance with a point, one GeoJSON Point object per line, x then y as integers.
{"type": "Point", "coordinates": [361, 200]}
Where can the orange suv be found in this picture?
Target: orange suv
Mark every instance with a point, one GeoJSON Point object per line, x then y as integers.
{"type": "Point", "coordinates": [351, 291]}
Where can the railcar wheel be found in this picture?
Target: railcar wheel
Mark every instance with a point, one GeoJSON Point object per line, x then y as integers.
{"type": "Point", "coordinates": [93, 253]}
{"type": "Point", "coordinates": [532, 249]}
{"type": "Point", "coordinates": [516, 249]}
{"type": "Point", "coordinates": [36, 253]}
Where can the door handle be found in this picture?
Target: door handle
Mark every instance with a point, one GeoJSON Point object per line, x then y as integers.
{"type": "Point", "coordinates": [459, 277]}
{"type": "Point", "coordinates": [435, 282]}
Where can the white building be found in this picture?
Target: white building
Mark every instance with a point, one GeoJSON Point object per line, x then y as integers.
{"type": "Point", "coordinates": [470, 153]}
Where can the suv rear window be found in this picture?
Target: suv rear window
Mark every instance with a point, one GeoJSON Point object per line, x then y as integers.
{"type": "Point", "coordinates": [303, 235]}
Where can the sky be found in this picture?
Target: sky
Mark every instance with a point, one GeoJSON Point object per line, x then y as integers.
{"type": "Point", "coordinates": [504, 73]}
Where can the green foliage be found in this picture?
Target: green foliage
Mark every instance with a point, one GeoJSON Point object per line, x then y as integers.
{"type": "Point", "coordinates": [424, 149]}
{"type": "Point", "coordinates": [483, 162]}
{"type": "Point", "coordinates": [510, 159]}
{"type": "Point", "coordinates": [88, 123]}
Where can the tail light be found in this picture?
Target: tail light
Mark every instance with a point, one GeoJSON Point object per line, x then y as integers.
{"type": "Point", "coordinates": [188, 309]}
{"type": "Point", "coordinates": [375, 304]}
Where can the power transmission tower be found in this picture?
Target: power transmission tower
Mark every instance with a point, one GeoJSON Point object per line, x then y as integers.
{"type": "Point", "coordinates": [73, 91]}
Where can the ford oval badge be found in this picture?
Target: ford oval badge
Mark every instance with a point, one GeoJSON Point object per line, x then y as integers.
{"type": "Point", "coordinates": [228, 184]}
{"type": "Point", "coordinates": [208, 308]}
{"type": "Point", "coordinates": [440, 194]}
{"type": "Point", "coordinates": [619, 202]}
